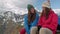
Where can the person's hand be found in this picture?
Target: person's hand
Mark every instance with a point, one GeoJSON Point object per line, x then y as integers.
{"type": "Point", "coordinates": [25, 33]}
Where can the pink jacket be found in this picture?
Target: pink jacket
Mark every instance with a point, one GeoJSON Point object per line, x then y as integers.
{"type": "Point", "coordinates": [50, 23]}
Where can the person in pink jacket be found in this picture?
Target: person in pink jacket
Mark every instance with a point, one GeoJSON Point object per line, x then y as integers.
{"type": "Point", "coordinates": [48, 20]}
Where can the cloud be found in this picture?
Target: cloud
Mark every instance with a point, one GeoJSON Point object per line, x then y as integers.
{"type": "Point", "coordinates": [18, 3]}
{"type": "Point", "coordinates": [57, 11]}
{"type": "Point", "coordinates": [22, 11]}
{"type": "Point", "coordinates": [17, 6]}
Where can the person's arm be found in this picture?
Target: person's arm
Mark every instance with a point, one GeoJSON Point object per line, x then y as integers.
{"type": "Point", "coordinates": [53, 24]}
{"type": "Point", "coordinates": [40, 22]}
{"type": "Point", "coordinates": [35, 22]}
{"type": "Point", "coordinates": [26, 24]}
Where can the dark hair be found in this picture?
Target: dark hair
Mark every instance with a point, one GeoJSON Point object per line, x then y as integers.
{"type": "Point", "coordinates": [31, 19]}
{"type": "Point", "coordinates": [47, 12]}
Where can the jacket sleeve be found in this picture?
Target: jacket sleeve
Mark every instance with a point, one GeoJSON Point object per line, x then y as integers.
{"type": "Point", "coordinates": [40, 22]}
{"type": "Point", "coordinates": [26, 24]}
{"type": "Point", "coordinates": [53, 24]}
{"type": "Point", "coordinates": [35, 21]}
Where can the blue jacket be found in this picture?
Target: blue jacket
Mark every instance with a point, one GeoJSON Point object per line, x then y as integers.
{"type": "Point", "coordinates": [34, 23]}
{"type": "Point", "coordinates": [59, 20]}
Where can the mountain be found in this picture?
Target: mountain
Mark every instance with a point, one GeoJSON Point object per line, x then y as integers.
{"type": "Point", "coordinates": [9, 22]}
{"type": "Point", "coordinates": [9, 19]}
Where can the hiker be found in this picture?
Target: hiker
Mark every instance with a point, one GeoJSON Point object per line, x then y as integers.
{"type": "Point", "coordinates": [30, 20]}
{"type": "Point", "coordinates": [48, 21]}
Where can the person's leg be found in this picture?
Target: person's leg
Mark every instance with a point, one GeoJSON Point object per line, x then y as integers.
{"type": "Point", "coordinates": [33, 30]}
{"type": "Point", "coordinates": [45, 31]}
{"type": "Point", "coordinates": [22, 31]}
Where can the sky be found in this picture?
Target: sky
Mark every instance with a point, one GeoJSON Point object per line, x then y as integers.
{"type": "Point", "coordinates": [55, 4]}
{"type": "Point", "coordinates": [20, 6]}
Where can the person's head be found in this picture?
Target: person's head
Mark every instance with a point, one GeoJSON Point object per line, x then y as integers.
{"type": "Point", "coordinates": [31, 11]}
{"type": "Point", "coordinates": [30, 8]}
{"type": "Point", "coordinates": [46, 9]}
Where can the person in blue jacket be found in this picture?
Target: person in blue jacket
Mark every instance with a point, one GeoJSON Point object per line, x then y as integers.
{"type": "Point", "coordinates": [30, 20]}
